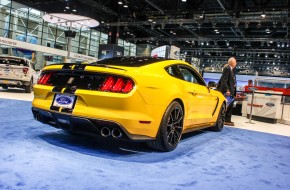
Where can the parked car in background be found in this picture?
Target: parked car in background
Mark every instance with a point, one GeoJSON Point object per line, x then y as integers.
{"type": "Point", "coordinates": [134, 98]}
{"type": "Point", "coordinates": [16, 72]}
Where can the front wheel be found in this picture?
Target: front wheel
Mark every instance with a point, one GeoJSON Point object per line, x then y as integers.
{"type": "Point", "coordinates": [170, 129]}
{"type": "Point", "coordinates": [219, 125]}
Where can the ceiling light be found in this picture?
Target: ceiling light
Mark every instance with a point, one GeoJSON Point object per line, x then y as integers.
{"type": "Point", "coordinates": [120, 2]}
{"type": "Point", "coordinates": [183, 0]}
{"type": "Point", "coordinates": [263, 15]}
{"type": "Point", "coordinates": [67, 5]}
{"type": "Point", "coordinates": [267, 30]}
{"type": "Point", "coordinates": [274, 24]}
{"type": "Point", "coordinates": [125, 5]}
{"type": "Point", "coordinates": [201, 16]}
{"type": "Point", "coordinates": [74, 9]}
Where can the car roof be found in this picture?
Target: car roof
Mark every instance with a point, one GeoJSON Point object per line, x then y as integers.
{"type": "Point", "coordinates": [130, 61]}
{"type": "Point", "coordinates": [13, 57]}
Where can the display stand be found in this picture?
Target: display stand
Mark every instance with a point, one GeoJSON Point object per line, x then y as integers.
{"type": "Point", "coordinates": [252, 103]}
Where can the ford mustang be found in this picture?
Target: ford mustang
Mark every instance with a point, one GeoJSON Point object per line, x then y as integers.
{"type": "Point", "coordinates": [154, 100]}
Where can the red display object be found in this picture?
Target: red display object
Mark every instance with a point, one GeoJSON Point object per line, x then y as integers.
{"type": "Point", "coordinates": [286, 91]}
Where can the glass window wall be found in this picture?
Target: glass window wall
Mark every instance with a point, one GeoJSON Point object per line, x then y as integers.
{"type": "Point", "coordinates": [25, 24]}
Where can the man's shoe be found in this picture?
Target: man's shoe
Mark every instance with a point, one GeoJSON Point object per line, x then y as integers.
{"type": "Point", "coordinates": [229, 123]}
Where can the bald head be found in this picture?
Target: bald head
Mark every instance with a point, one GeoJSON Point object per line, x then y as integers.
{"type": "Point", "coordinates": [232, 62]}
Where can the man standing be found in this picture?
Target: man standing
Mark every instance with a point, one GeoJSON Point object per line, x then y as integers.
{"type": "Point", "coordinates": [227, 86]}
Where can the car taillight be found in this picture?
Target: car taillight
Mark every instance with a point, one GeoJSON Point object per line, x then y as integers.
{"type": "Point", "coordinates": [25, 70]}
{"type": "Point", "coordinates": [117, 84]}
{"type": "Point", "coordinates": [44, 79]}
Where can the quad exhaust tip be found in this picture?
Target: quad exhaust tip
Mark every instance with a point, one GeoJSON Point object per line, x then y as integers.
{"type": "Point", "coordinates": [116, 133]}
{"type": "Point", "coordinates": [106, 132]}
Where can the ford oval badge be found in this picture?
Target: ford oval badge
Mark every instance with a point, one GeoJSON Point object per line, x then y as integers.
{"type": "Point", "coordinates": [270, 104]}
{"type": "Point", "coordinates": [62, 100]}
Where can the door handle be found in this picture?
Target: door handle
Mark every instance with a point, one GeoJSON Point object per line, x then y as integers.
{"type": "Point", "coordinates": [193, 93]}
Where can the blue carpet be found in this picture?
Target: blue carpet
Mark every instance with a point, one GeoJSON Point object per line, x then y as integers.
{"type": "Point", "coordinates": [36, 156]}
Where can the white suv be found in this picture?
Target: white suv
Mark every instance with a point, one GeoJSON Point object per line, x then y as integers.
{"type": "Point", "coordinates": [16, 72]}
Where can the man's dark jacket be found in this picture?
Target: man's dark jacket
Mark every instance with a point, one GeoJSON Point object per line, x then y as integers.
{"type": "Point", "coordinates": [227, 81]}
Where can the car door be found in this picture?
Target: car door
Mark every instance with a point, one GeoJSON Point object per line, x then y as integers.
{"type": "Point", "coordinates": [200, 102]}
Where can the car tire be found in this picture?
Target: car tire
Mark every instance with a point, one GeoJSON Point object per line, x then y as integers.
{"type": "Point", "coordinates": [219, 125]}
{"type": "Point", "coordinates": [170, 129]}
{"type": "Point", "coordinates": [5, 87]}
{"type": "Point", "coordinates": [29, 88]}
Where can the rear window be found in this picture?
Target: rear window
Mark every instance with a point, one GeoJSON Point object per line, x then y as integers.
{"type": "Point", "coordinates": [13, 61]}
{"type": "Point", "coordinates": [129, 61]}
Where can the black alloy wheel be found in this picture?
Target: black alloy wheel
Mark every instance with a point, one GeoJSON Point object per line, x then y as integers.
{"type": "Point", "coordinates": [174, 126]}
{"type": "Point", "coordinates": [219, 125]}
{"type": "Point", "coordinates": [170, 130]}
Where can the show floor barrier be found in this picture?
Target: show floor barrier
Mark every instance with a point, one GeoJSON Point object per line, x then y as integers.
{"type": "Point", "coordinates": [36, 156]}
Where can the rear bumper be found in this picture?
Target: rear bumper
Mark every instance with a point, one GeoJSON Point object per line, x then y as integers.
{"type": "Point", "coordinates": [14, 82]}
{"type": "Point", "coordinates": [83, 125]}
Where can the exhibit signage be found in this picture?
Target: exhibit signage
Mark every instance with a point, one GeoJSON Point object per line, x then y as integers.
{"type": "Point", "coordinates": [44, 49]}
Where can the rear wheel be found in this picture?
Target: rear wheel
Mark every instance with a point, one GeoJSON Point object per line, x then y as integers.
{"type": "Point", "coordinates": [5, 87]}
{"type": "Point", "coordinates": [29, 88]}
{"type": "Point", "coordinates": [219, 125]}
{"type": "Point", "coordinates": [170, 130]}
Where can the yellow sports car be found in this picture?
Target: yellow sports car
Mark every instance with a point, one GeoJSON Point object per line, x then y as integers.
{"type": "Point", "coordinates": [141, 99]}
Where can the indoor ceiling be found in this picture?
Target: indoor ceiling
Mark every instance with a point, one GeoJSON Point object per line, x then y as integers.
{"type": "Point", "coordinates": [254, 31]}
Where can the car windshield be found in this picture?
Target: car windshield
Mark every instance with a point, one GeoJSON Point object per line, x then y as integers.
{"type": "Point", "coordinates": [13, 61]}
{"type": "Point", "coordinates": [129, 61]}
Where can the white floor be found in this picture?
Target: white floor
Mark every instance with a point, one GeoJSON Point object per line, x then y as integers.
{"type": "Point", "coordinates": [240, 122]}
{"type": "Point", "coordinates": [16, 94]}
{"type": "Point", "coordinates": [243, 123]}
